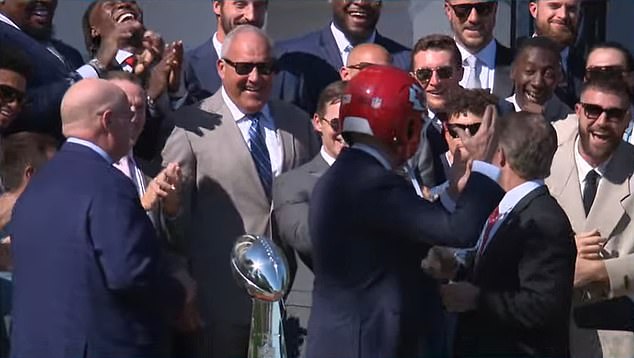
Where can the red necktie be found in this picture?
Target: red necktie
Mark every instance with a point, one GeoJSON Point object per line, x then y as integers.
{"type": "Point", "coordinates": [493, 218]}
{"type": "Point", "coordinates": [130, 61]}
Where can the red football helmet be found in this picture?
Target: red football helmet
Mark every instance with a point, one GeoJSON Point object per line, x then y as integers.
{"type": "Point", "coordinates": [388, 104]}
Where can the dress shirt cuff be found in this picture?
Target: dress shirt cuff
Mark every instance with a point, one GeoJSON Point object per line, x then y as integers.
{"type": "Point", "coordinates": [620, 276]}
{"type": "Point", "coordinates": [87, 71]}
{"type": "Point", "coordinates": [487, 169]}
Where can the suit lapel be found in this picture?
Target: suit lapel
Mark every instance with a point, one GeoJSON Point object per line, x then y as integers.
{"type": "Point", "coordinates": [565, 184]}
{"type": "Point", "coordinates": [317, 166]}
{"type": "Point", "coordinates": [607, 209]}
{"type": "Point", "coordinates": [502, 85]}
{"type": "Point", "coordinates": [288, 143]}
{"type": "Point", "coordinates": [329, 48]}
{"type": "Point", "coordinates": [231, 140]}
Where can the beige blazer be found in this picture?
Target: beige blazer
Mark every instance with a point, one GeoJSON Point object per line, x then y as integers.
{"type": "Point", "coordinates": [223, 198]}
{"type": "Point", "coordinates": [611, 213]}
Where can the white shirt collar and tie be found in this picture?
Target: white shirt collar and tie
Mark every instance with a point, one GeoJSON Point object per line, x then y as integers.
{"type": "Point", "coordinates": [127, 165]}
{"type": "Point", "coordinates": [583, 168]}
{"type": "Point", "coordinates": [273, 142]}
{"type": "Point", "coordinates": [343, 44]}
{"type": "Point", "coordinates": [483, 63]}
{"type": "Point", "coordinates": [329, 159]}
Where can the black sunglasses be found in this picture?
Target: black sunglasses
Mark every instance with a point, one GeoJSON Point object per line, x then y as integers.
{"type": "Point", "coordinates": [9, 94]}
{"type": "Point", "coordinates": [424, 74]}
{"type": "Point", "coordinates": [463, 11]}
{"type": "Point", "coordinates": [244, 68]}
{"type": "Point", "coordinates": [334, 123]}
{"type": "Point", "coordinates": [594, 111]}
{"type": "Point", "coordinates": [605, 71]}
{"type": "Point", "coordinates": [472, 128]}
{"type": "Point", "coordinates": [360, 65]}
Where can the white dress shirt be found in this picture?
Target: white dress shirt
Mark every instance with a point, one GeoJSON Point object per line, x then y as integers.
{"type": "Point", "coordinates": [508, 202]}
{"type": "Point", "coordinates": [217, 45]}
{"type": "Point", "coordinates": [343, 43]}
{"type": "Point", "coordinates": [583, 168]}
{"type": "Point", "coordinates": [485, 64]}
{"type": "Point", "coordinates": [273, 142]}
{"type": "Point", "coordinates": [127, 165]}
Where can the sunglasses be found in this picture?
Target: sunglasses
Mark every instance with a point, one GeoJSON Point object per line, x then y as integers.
{"type": "Point", "coordinates": [472, 128]}
{"type": "Point", "coordinates": [244, 68]}
{"type": "Point", "coordinates": [9, 94]}
{"type": "Point", "coordinates": [334, 123]}
{"type": "Point", "coordinates": [360, 65]}
{"type": "Point", "coordinates": [463, 11]}
{"type": "Point", "coordinates": [594, 111]}
{"type": "Point", "coordinates": [424, 74]}
{"type": "Point", "coordinates": [605, 71]}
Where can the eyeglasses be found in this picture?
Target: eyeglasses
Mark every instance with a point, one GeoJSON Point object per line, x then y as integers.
{"type": "Point", "coordinates": [594, 111]}
{"type": "Point", "coordinates": [9, 94]}
{"type": "Point", "coordinates": [472, 128]}
{"type": "Point", "coordinates": [334, 123]}
{"type": "Point", "coordinates": [244, 68]}
{"type": "Point", "coordinates": [463, 11]}
{"type": "Point", "coordinates": [360, 66]}
{"type": "Point", "coordinates": [424, 74]}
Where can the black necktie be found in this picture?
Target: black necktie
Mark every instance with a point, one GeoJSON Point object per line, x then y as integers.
{"type": "Point", "coordinates": [590, 190]}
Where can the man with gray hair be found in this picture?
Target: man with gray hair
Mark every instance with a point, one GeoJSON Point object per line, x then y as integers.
{"type": "Point", "coordinates": [230, 147]}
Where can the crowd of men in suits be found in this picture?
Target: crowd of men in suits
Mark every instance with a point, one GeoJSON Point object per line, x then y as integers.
{"type": "Point", "coordinates": [459, 199]}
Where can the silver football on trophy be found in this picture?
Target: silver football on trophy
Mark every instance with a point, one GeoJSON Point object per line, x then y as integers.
{"type": "Point", "coordinates": [260, 267]}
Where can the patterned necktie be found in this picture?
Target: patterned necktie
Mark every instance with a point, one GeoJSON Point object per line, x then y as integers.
{"type": "Point", "coordinates": [260, 153]}
{"type": "Point", "coordinates": [493, 218]}
{"type": "Point", "coordinates": [473, 81]}
{"type": "Point", "coordinates": [590, 190]}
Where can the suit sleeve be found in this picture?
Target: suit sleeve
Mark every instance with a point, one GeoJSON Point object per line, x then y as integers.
{"type": "Point", "coordinates": [621, 275]}
{"type": "Point", "coordinates": [126, 246]}
{"type": "Point", "coordinates": [178, 149]}
{"type": "Point", "coordinates": [291, 214]}
{"type": "Point", "coordinates": [546, 272]}
{"type": "Point", "coordinates": [394, 209]}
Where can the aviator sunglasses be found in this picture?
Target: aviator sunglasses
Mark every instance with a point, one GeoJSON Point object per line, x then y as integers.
{"type": "Point", "coordinates": [244, 68]}
{"type": "Point", "coordinates": [424, 74]}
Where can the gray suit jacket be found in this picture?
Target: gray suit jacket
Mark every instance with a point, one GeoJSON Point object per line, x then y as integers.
{"type": "Point", "coordinates": [611, 214]}
{"type": "Point", "coordinates": [291, 195]}
{"type": "Point", "coordinates": [223, 198]}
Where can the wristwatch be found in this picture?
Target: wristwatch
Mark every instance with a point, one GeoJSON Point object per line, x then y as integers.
{"type": "Point", "coordinates": [99, 67]}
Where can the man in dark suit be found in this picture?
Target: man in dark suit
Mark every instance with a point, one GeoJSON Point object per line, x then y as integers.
{"type": "Point", "coordinates": [312, 61]}
{"type": "Point", "coordinates": [559, 20]}
{"type": "Point", "coordinates": [369, 229]}
{"type": "Point", "coordinates": [201, 77]}
{"type": "Point", "coordinates": [486, 62]}
{"type": "Point", "coordinates": [291, 197]}
{"type": "Point", "coordinates": [27, 26]}
{"type": "Point", "coordinates": [536, 73]}
{"type": "Point", "coordinates": [437, 66]}
{"type": "Point", "coordinates": [101, 290]}
{"type": "Point", "coordinates": [516, 302]}
{"type": "Point", "coordinates": [229, 147]}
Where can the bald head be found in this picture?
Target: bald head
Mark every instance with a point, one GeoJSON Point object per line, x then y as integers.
{"type": "Point", "coordinates": [363, 55]}
{"type": "Point", "coordinates": [98, 111]}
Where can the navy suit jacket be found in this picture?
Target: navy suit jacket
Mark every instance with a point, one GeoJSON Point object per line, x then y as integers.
{"type": "Point", "coordinates": [201, 77]}
{"type": "Point", "coordinates": [88, 277]}
{"type": "Point", "coordinates": [309, 63]}
{"type": "Point", "coordinates": [369, 232]}
{"type": "Point", "coordinates": [50, 78]}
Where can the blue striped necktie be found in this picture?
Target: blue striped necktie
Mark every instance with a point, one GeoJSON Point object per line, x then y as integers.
{"type": "Point", "coordinates": [260, 153]}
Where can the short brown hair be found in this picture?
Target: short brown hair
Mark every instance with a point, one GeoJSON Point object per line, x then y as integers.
{"type": "Point", "coordinates": [21, 150]}
{"type": "Point", "coordinates": [330, 95]}
{"type": "Point", "coordinates": [437, 42]}
{"type": "Point", "coordinates": [612, 85]}
{"type": "Point", "coordinates": [529, 143]}
{"type": "Point", "coordinates": [470, 100]}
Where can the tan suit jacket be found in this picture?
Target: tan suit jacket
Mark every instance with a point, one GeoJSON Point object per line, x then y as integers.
{"type": "Point", "coordinates": [223, 198]}
{"type": "Point", "coordinates": [611, 214]}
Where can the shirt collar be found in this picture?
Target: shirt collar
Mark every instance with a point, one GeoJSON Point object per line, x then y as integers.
{"type": "Point", "coordinates": [8, 21]}
{"type": "Point", "coordinates": [486, 55]}
{"type": "Point", "coordinates": [102, 153]}
{"type": "Point", "coordinates": [217, 44]}
{"type": "Point", "coordinates": [327, 157]}
{"type": "Point", "coordinates": [236, 113]}
{"type": "Point", "coordinates": [342, 41]}
{"type": "Point", "coordinates": [512, 100]}
{"type": "Point", "coordinates": [583, 167]}
{"type": "Point", "coordinates": [513, 196]}
{"type": "Point", "coordinates": [374, 153]}
{"type": "Point", "coordinates": [122, 55]}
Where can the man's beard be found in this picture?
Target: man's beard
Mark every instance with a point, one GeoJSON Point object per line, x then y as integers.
{"type": "Point", "coordinates": [563, 38]}
{"type": "Point", "coordinates": [40, 34]}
